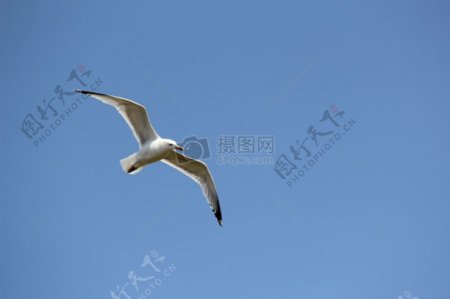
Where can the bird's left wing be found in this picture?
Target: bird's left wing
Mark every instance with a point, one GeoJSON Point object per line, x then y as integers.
{"type": "Point", "coordinates": [199, 172]}
{"type": "Point", "coordinates": [134, 114]}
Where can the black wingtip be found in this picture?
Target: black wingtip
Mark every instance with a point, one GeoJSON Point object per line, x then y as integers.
{"type": "Point", "coordinates": [90, 93]}
{"type": "Point", "coordinates": [218, 215]}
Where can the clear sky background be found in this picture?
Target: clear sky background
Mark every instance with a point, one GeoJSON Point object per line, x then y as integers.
{"type": "Point", "coordinates": [369, 220]}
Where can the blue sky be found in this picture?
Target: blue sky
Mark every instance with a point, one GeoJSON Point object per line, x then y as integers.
{"type": "Point", "coordinates": [370, 219]}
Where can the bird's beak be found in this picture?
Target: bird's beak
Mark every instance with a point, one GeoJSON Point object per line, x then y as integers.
{"type": "Point", "coordinates": [179, 148]}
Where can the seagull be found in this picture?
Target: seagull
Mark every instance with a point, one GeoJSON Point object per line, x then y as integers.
{"type": "Point", "coordinates": [153, 148]}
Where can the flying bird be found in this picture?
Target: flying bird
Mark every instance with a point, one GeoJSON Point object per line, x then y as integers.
{"type": "Point", "coordinates": [153, 148]}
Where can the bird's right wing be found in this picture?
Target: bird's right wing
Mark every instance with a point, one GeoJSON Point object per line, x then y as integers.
{"type": "Point", "coordinates": [134, 114]}
{"type": "Point", "coordinates": [199, 172]}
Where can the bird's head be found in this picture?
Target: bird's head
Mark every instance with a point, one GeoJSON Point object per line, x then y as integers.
{"type": "Point", "coordinates": [173, 145]}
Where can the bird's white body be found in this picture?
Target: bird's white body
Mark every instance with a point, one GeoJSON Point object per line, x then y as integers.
{"type": "Point", "coordinates": [153, 148]}
{"type": "Point", "coordinates": [150, 152]}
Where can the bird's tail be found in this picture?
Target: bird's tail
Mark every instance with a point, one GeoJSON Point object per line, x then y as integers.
{"type": "Point", "coordinates": [129, 164]}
